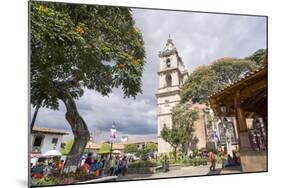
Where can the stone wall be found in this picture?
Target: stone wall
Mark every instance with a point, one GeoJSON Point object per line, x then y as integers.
{"type": "Point", "coordinates": [253, 161]}
{"type": "Point", "coordinates": [199, 126]}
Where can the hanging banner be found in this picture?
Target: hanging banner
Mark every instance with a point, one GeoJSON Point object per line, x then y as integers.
{"type": "Point", "coordinates": [112, 136]}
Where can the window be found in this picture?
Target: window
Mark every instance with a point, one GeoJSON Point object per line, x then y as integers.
{"type": "Point", "coordinates": [168, 80]}
{"type": "Point", "coordinates": [54, 140]}
{"type": "Point", "coordinates": [168, 62]}
{"type": "Point", "coordinates": [164, 125]}
{"type": "Point", "coordinates": [166, 103]}
{"type": "Point", "coordinates": [38, 141]}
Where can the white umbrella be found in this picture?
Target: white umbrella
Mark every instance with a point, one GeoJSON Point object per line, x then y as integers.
{"type": "Point", "coordinates": [116, 151]}
{"type": "Point", "coordinates": [52, 153]}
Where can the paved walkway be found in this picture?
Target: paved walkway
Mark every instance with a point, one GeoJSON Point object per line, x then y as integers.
{"type": "Point", "coordinates": [174, 172]}
{"type": "Point", "coordinates": [102, 179]}
{"type": "Point", "coordinates": [182, 171]}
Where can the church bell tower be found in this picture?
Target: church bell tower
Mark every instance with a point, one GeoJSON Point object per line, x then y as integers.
{"type": "Point", "coordinates": [172, 75]}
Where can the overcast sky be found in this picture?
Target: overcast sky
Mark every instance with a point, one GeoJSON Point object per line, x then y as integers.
{"type": "Point", "coordinates": [200, 38]}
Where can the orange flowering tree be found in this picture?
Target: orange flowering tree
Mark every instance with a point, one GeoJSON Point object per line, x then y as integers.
{"type": "Point", "coordinates": [74, 47]}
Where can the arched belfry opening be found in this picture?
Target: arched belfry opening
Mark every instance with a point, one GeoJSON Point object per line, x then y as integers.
{"type": "Point", "coordinates": [168, 63]}
{"type": "Point", "coordinates": [168, 80]}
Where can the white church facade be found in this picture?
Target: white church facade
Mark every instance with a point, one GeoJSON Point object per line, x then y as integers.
{"type": "Point", "coordinates": [172, 74]}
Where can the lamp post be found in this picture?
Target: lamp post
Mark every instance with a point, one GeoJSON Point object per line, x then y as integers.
{"type": "Point", "coordinates": [225, 123]}
{"type": "Point", "coordinates": [223, 108]}
{"type": "Point", "coordinates": [112, 137]}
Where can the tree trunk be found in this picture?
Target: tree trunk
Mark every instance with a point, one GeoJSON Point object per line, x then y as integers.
{"type": "Point", "coordinates": [79, 129]}
{"type": "Point", "coordinates": [34, 117]}
{"type": "Point", "coordinates": [175, 153]}
{"type": "Point", "coordinates": [184, 148]}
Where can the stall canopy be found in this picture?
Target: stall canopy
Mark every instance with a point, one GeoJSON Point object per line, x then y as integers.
{"type": "Point", "coordinates": [244, 97]}
{"type": "Point", "coordinates": [52, 153]}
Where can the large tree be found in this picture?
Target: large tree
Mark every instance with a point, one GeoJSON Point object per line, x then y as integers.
{"type": "Point", "coordinates": [258, 56]}
{"type": "Point", "coordinates": [208, 79]}
{"type": "Point", "coordinates": [173, 136]}
{"type": "Point", "coordinates": [77, 47]}
{"type": "Point", "coordinates": [150, 147]}
{"type": "Point", "coordinates": [201, 83]}
{"type": "Point", "coordinates": [131, 148]}
{"type": "Point", "coordinates": [104, 148]}
{"type": "Point", "coordinates": [184, 118]}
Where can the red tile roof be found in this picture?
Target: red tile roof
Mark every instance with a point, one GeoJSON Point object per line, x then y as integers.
{"type": "Point", "coordinates": [37, 129]}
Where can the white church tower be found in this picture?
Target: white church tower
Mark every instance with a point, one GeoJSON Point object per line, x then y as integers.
{"type": "Point", "coordinates": [172, 75]}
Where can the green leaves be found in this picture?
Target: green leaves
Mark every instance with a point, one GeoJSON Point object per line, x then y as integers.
{"type": "Point", "coordinates": [200, 84]}
{"type": "Point", "coordinates": [67, 147]}
{"type": "Point", "coordinates": [105, 148]}
{"type": "Point", "coordinates": [257, 56]}
{"type": "Point", "coordinates": [172, 136]}
{"type": "Point", "coordinates": [131, 148]}
{"type": "Point", "coordinates": [206, 80]}
{"type": "Point", "coordinates": [82, 46]}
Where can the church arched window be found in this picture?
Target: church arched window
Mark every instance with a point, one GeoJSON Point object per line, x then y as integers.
{"type": "Point", "coordinates": [168, 80]}
{"type": "Point", "coordinates": [168, 62]}
{"type": "Point", "coordinates": [166, 103]}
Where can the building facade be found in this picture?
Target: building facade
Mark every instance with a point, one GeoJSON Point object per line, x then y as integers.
{"type": "Point", "coordinates": [172, 75]}
{"type": "Point", "coordinates": [46, 139]}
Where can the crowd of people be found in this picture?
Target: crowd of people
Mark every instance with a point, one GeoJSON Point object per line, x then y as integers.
{"type": "Point", "coordinates": [105, 165]}
{"type": "Point", "coordinates": [229, 161]}
{"type": "Point", "coordinates": [46, 168]}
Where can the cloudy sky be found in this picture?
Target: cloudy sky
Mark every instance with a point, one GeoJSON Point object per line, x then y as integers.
{"type": "Point", "coordinates": [200, 38]}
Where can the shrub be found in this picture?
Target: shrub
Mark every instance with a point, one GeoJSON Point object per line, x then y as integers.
{"type": "Point", "coordinates": [138, 164]}
{"type": "Point", "coordinates": [162, 157]}
{"type": "Point", "coordinates": [49, 180]}
{"type": "Point", "coordinates": [197, 161]}
{"type": "Point", "coordinates": [219, 158]}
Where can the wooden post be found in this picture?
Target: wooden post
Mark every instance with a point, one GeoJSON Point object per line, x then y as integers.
{"type": "Point", "coordinates": [240, 116]}
{"type": "Point", "coordinates": [243, 137]}
{"type": "Point", "coordinates": [110, 156]}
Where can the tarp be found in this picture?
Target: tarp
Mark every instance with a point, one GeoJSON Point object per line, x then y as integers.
{"type": "Point", "coordinates": [52, 153]}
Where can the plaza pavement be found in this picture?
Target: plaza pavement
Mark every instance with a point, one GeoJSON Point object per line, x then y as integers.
{"type": "Point", "coordinates": [174, 172]}
{"type": "Point", "coordinates": [182, 171]}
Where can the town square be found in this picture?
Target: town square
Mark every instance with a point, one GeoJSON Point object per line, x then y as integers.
{"type": "Point", "coordinates": [120, 94]}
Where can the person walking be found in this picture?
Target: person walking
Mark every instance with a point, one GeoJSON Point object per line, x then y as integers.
{"type": "Point", "coordinates": [60, 166]}
{"type": "Point", "coordinates": [165, 164]}
{"type": "Point", "coordinates": [94, 168]}
{"type": "Point", "coordinates": [124, 165]}
{"type": "Point", "coordinates": [101, 165]}
{"type": "Point", "coordinates": [88, 163]}
{"type": "Point", "coordinates": [212, 160]}
{"type": "Point", "coordinates": [117, 165]}
{"type": "Point", "coordinates": [111, 166]}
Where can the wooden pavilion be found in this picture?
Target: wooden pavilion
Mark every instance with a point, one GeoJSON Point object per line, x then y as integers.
{"type": "Point", "coordinates": [246, 99]}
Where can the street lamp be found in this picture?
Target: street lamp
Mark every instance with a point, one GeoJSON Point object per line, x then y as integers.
{"type": "Point", "coordinates": [223, 109]}
{"type": "Point", "coordinates": [112, 137]}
